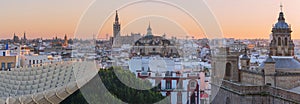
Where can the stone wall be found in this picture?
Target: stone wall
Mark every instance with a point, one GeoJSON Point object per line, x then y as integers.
{"type": "Point", "coordinates": [287, 81]}
{"type": "Point", "coordinates": [233, 93]}
{"type": "Point", "coordinates": [251, 78]}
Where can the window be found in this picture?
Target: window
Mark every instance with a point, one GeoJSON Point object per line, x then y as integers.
{"type": "Point", "coordinates": [2, 65]}
{"type": "Point", "coordinates": [179, 85]}
{"type": "Point", "coordinates": [193, 84]}
{"type": "Point", "coordinates": [41, 62]}
{"type": "Point", "coordinates": [279, 41]}
{"type": "Point", "coordinates": [168, 84]}
{"type": "Point", "coordinates": [228, 70]}
{"type": "Point", "coordinates": [33, 62]}
{"type": "Point", "coordinates": [29, 62]}
{"type": "Point", "coordinates": [9, 65]}
{"type": "Point", "coordinates": [153, 49]}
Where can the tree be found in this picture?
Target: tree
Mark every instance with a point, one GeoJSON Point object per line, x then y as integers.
{"type": "Point", "coordinates": [117, 92]}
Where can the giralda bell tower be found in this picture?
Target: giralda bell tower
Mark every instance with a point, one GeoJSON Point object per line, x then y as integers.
{"type": "Point", "coordinates": [116, 26]}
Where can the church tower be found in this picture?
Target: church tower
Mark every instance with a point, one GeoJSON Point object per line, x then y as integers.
{"type": "Point", "coordinates": [15, 38]}
{"type": "Point", "coordinates": [116, 26]}
{"type": "Point", "coordinates": [281, 43]}
{"type": "Point", "coordinates": [65, 40]}
{"type": "Point", "coordinates": [24, 41]}
{"type": "Point", "coordinates": [24, 37]}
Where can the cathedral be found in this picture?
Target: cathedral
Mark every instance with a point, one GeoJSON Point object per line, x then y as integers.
{"type": "Point", "coordinates": [154, 45]}
{"type": "Point", "coordinates": [119, 40]}
{"type": "Point", "coordinates": [276, 81]}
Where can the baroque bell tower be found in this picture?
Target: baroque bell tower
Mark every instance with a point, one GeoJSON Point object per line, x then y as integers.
{"type": "Point", "coordinates": [116, 26]}
{"type": "Point", "coordinates": [281, 43]}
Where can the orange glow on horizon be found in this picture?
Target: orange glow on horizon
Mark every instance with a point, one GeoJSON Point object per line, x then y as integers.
{"type": "Point", "coordinates": [237, 19]}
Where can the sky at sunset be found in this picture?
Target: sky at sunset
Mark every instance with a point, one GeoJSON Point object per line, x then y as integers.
{"type": "Point", "coordinates": [181, 18]}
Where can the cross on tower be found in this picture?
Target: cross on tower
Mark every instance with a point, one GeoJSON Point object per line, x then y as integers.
{"type": "Point", "coordinates": [281, 7]}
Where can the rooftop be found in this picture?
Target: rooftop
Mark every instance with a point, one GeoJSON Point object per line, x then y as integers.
{"type": "Point", "coordinates": [285, 62]}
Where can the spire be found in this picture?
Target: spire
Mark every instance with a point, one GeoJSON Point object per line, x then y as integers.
{"type": "Point", "coordinates": [24, 35]}
{"type": "Point", "coordinates": [281, 15]}
{"type": "Point", "coordinates": [281, 7]}
{"type": "Point", "coordinates": [149, 30]}
{"type": "Point", "coordinates": [281, 20]}
{"type": "Point", "coordinates": [116, 26]}
{"type": "Point", "coordinates": [149, 27]}
{"type": "Point", "coordinates": [65, 36]}
{"type": "Point", "coordinates": [14, 35]}
{"type": "Point", "coordinates": [117, 17]}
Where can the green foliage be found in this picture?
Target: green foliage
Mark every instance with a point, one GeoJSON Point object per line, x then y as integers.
{"type": "Point", "coordinates": [112, 90]}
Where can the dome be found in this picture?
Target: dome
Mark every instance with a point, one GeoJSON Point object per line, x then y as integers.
{"type": "Point", "coordinates": [151, 45]}
{"type": "Point", "coordinates": [152, 41]}
{"type": "Point", "coordinates": [281, 22]}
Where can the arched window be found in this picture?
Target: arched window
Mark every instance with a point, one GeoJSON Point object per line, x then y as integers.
{"type": "Point", "coordinates": [279, 41]}
{"type": "Point", "coordinates": [285, 41]}
{"type": "Point", "coordinates": [193, 84]}
{"type": "Point", "coordinates": [228, 70]}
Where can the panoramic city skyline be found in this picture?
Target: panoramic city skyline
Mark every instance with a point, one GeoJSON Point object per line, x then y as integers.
{"type": "Point", "coordinates": [238, 19]}
{"type": "Point", "coordinates": [149, 51]}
